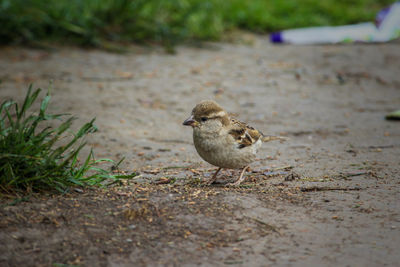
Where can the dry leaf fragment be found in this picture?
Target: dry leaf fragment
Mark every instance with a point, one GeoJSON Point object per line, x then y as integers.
{"type": "Point", "coordinates": [163, 180]}
{"type": "Point", "coordinates": [187, 234]}
{"type": "Point", "coordinates": [124, 74]}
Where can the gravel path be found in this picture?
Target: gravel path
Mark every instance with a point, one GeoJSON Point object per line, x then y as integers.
{"type": "Point", "coordinates": [341, 207]}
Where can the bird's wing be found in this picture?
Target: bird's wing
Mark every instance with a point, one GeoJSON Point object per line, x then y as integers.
{"type": "Point", "coordinates": [243, 134]}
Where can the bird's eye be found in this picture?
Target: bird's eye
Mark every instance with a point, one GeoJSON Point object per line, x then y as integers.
{"type": "Point", "coordinates": [204, 118]}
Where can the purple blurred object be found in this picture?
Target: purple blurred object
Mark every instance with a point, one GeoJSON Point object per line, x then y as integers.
{"type": "Point", "coordinates": [276, 37]}
{"type": "Point", "coordinates": [381, 16]}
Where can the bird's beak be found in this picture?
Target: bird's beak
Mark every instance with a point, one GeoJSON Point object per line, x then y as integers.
{"type": "Point", "coordinates": [190, 121]}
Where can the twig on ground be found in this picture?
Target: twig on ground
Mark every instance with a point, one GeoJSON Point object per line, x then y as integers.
{"type": "Point", "coordinates": [316, 189]}
{"type": "Point", "coordinates": [268, 226]}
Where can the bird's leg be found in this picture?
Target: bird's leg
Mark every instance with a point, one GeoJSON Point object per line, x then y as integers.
{"type": "Point", "coordinates": [212, 180]}
{"type": "Point", "coordinates": [241, 177]}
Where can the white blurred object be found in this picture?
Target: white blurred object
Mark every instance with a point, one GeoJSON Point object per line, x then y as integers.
{"type": "Point", "coordinates": [387, 28]}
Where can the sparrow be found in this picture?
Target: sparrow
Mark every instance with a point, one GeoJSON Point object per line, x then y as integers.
{"type": "Point", "coordinates": [224, 141]}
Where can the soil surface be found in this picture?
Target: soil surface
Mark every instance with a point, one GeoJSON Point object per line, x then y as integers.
{"type": "Point", "coordinates": [329, 196]}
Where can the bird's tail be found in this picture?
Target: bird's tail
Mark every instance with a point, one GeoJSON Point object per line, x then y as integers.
{"type": "Point", "coordinates": [267, 138]}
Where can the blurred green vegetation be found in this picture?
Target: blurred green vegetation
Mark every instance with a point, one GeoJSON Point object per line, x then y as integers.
{"type": "Point", "coordinates": [167, 22]}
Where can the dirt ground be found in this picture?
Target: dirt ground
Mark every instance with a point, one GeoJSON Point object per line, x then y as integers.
{"type": "Point", "coordinates": [329, 196]}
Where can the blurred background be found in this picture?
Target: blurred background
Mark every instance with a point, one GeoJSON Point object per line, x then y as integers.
{"type": "Point", "coordinates": [100, 23]}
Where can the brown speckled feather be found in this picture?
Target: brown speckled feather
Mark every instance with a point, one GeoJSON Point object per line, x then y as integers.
{"type": "Point", "coordinates": [243, 134]}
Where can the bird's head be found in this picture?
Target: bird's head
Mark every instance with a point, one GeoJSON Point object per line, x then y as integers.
{"type": "Point", "coordinates": [207, 114]}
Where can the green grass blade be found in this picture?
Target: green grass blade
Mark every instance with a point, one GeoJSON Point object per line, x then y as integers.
{"type": "Point", "coordinates": [29, 99]}
{"type": "Point", "coordinates": [45, 103]}
{"type": "Point", "coordinates": [10, 120]}
{"type": "Point", "coordinates": [5, 106]}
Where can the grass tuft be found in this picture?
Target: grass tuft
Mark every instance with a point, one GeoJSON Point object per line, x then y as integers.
{"type": "Point", "coordinates": [37, 157]}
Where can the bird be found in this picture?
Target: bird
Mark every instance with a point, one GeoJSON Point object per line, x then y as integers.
{"type": "Point", "coordinates": [223, 141]}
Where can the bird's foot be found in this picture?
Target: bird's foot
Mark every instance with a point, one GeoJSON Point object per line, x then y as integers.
{"type": "Point", "coordinates": [240, 179]}
{"type": "Point", "coordinates": [213, 178]}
